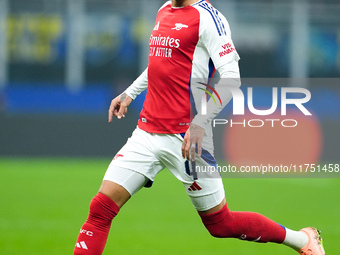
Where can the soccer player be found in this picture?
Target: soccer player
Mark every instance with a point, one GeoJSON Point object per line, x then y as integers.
{"type": "Point", "coordinates": [189, 41]}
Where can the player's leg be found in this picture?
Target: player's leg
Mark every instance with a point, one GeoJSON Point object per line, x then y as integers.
{"type": "Point", "coordinates": [223, 223]}
{"type": "Point", "coordinates": [207, 194]}
{"type": "Point", "coordinates": [133, 166]}
{"type": "Point", "coordinates": [250, 226]}
{"type": "Point", "coordinates": [118, 186]}
{"type": "Point", "coordinates": [208, 197]}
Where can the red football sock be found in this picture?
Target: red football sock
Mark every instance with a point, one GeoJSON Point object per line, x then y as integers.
{"type": "Point", "coordinates": [248, 226]}
{"type": "Point", "coordinates": [93, 234]}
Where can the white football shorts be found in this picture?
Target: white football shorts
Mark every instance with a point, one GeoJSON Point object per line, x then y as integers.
{"type": "Point", "coordinates": [145, 154]}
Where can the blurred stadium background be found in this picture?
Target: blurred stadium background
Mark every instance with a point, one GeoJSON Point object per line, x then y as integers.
{"type": "Point", "coordinates": [61, 63]}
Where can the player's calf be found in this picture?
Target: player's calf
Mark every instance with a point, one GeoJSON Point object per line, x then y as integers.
{"type": "Point", "coordinates": [243, 225]}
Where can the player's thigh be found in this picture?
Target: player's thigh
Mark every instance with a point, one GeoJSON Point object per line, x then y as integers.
{"type": "Point", "coordinates": [205, 188]}
{"type": "Point", "coordinates": [206, 193]}
{"type": "Point", "coordinates": [138, 154]}
{"type": "Point", "coordinates": [120, 184]}
{"type": "Point", "coordinates": [171, 157]}
{"type": "Point", "coordinates": [133, 166]}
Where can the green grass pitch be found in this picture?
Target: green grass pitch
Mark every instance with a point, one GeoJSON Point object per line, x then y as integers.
{"type": "Point", "coordinates": [44, 202]}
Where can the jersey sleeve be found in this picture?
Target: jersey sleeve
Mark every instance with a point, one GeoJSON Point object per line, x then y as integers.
{"type": "Point", "coordinates": [215, 34]}
{"type": "Point", "coordinates": [216, 37]}
{"type": "Point", "coordinates": [138, 86]}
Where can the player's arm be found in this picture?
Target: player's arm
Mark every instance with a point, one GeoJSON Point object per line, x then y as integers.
{"type": "Point", "coordinates": [225, 58]}
{"type": "Point", "coordinates": [119, 104]}
{"type": "Point", "coordinates": [223, 88]}
{"type": "Point", "coordinates": [215, 41]}
{"type": "Point", "coordinates": [193, 137]}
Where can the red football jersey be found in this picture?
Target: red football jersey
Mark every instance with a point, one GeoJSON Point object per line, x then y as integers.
{"type": "Point", "coordinates": [186, 43]}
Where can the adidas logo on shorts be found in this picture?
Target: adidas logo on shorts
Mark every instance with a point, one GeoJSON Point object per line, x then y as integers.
{"type": "Point", "coordinates": [195, 187]}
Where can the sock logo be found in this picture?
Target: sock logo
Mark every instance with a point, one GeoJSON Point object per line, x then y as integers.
{"type": "Point", "coordinates": [243, 236]}
{"type": "Point", "coordinates": [88, 233]}
{"type": "Point", "coordinates": [81, 245]}
{"type": "Point", "coordinates": [257, 239]}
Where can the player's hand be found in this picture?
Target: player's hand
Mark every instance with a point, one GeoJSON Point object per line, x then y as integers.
{"type": "Point", "coordinates": [192, 139]}
{"type": "Point", "coordinates": [119, 106]}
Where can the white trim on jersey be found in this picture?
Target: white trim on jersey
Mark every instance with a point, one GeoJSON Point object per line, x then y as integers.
{"type": "Point", "coordinates": [138, 86]}
{"type": "Point", "coordinates": [211, 45]}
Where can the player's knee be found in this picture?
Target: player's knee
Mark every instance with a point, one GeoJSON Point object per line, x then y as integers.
{"type": "Point", "coordinates": [218, 223]}
{"type": "Point", "coordinates": [102, 211]}
{"type": "Point", "coordinates": [96, 207]}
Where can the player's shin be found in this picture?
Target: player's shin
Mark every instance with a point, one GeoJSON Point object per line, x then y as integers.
{"type": "Point", "coordinates": [93, 234]}
{"type": "Point", "coordinates": [243, 225]}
